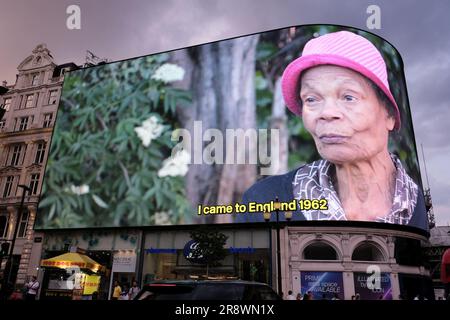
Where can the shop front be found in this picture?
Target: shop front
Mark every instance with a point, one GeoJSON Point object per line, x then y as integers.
{"type": "Point", "coordinates": [353, 263]}
{"type": "Point", "coordinates": [167, 256]}
{"type": "Point", "coordinates": [116, 251]}
{"type": "Point", "coordinates": [127, 255]}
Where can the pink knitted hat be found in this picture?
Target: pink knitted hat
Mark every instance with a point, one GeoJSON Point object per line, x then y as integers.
{"type": "Point", "coordinates": [344, 49]}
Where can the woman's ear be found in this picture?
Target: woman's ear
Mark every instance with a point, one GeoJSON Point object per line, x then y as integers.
{"type": "Point", "coordinates": [390, 122]}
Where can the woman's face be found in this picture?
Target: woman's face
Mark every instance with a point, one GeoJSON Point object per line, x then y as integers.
{"type": "Point", "coordinates": [343, 114]}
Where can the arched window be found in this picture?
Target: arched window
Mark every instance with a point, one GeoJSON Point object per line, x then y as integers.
{"type": "Point", "coordinates": [319, 251]}
{"type": "Point", "coordinates": [367, 252]}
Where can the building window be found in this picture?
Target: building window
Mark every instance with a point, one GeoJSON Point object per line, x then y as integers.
{"type": "Point", "coordinates": [34, 182]}
{"type": "Point", "coordinates": [23, 223]}
{"type": "Point", "coordinates": [21, 124]}
{"type": "Point", "coordinates": [7, 104]}
{"type": "Point", "coordinates": [35, 80]}
{"type": "Point", "coordinates": [16, 153]}
{"type": "Point", "coordinates": [40, 152]}
{"type": "Point", "coordinates": [21, 102]}
{"type": "Point", "coordinates": [367, 252]}
{"type": "Point", "coordinates": [320, 251]}
{"type": "Point", "coordinates": [8, 186]}
{"type": "Point", "coordinates": [48, 117]}
{"type": "Point", "coordinates": [53, 97]}
{"type": "Point", "coordinates": [3, 225]}
{"type": "Point", "coordinates": [2, 124]}
{"type": "Point", "coordinates": [29, 101]}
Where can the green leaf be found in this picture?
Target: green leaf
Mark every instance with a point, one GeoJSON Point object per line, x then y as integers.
{"type": "Point", "coordinates": [99, 201]}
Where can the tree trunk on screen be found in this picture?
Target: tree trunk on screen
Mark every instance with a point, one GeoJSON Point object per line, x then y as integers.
{"type": "Point", "coordinates": [221, 79]}
{"type": "Point", "coordinates": [279, 122]}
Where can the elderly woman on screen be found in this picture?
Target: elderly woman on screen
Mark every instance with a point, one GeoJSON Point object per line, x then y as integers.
{"type": "Point", "coordinates": [339, 87]}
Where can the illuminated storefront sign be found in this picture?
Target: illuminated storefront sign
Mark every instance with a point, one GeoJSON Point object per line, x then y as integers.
{"type": "Point", "coordinates": [156, 251]}
{"type": "Point", "coordinates": [124, 261]}
{"type": "Point", "coordinates": [174, 251]}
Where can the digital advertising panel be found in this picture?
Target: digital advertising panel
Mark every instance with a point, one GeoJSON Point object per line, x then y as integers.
{"type": "Point", "coordinates": [381, 291]}
{"type": "Point", "coordinates": [322, 285]}
{"type": "Point", "coordinates": [313, 119]}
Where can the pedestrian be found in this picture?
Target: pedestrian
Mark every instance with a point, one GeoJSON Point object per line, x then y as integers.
{"type": "Point", "coordinates": [134, 290]}
{"type": "Point", "coordinates": [290, 295]}
{"type": "Point", "coordinates": [124, 293]}
{"type": "Point", "coordinates": [32, 288]}
{"type": "Point", "coordinates": [299, 296]}
{"type": "Point", "coordinates": [117, 291]}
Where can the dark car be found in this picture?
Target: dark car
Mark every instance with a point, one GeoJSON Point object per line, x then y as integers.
{"type": "Point", "coordinates": [207, 290]}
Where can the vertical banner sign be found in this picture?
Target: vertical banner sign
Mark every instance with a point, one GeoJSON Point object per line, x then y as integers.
{"type": "Point", "coordinates": [322, 284]}
{"type": "Point", "coordinates": [124, 261]}
{"type": "Point", "coordinates": [91, 284]}
{"type": "Point", "coordinates": [382, 293]}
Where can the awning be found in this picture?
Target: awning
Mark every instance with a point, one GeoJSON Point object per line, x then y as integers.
{"type": "Point", "coordinates": [72, 260]}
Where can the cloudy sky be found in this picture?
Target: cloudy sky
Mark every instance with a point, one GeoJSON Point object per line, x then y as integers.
{"type": "Point", "coordinates": [123, 29]}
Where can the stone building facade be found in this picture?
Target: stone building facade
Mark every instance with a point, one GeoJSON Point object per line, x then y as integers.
{"type": "Point", "coordinates": [25, 132]}
{"type": "Point", "coordinates": [349, 255]}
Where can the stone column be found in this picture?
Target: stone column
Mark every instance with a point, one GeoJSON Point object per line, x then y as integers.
{"type": "Point", "coordinates": [349, 284]}
{"type": "Point", "coordinates": [347, 275]}
{"type": "Point", "coordinates": [35, 99]}
{"type": "Point", "coordinates": [15, 100]}
{"type": "Point", "coordinates": [285, 257]}
{"type": "Point", "coordinates": [43, 97]}
{"type": "Point", "coordinates": [395, 286]}
{"type": "Point", "coordinates": [29, 157]}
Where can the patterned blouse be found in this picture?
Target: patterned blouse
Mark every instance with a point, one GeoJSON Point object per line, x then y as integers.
{"type": "Point", "coordinates": [313, 181]}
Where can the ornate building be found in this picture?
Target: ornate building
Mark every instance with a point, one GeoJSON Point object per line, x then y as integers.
{"type": "Point", "coordinates": [341, 260]}
{"type": "Point", "coordinates": [25, 131]}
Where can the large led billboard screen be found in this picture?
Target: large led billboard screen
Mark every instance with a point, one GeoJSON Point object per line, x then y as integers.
{"type": "Point", "coordinates": [315, 117]}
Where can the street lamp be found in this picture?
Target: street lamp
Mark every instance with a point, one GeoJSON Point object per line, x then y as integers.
{"type": "Point", "coordinates": [287, 216]}
{"type": "Point", "coordinates": [9, 262]}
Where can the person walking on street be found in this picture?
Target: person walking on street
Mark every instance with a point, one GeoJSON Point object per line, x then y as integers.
{"type": "Point", "coordinates": [117, 291]}
{"type": "Point", "coordinates": [32, 288]}
{"type": "Point", "coordinates": [134, 290]}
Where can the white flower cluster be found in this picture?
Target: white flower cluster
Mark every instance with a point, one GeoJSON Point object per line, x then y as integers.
{"type": "Point", "coordinates": [176, 165]}
{"type": "Point", "coordinates": [149, 130]}
{"type": "Point", "coordinates": [79, 190]}
{"type": "Point", "coordinates": [162, 218]}
{"type": "Point", "coordinates": [169, 72]}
